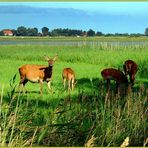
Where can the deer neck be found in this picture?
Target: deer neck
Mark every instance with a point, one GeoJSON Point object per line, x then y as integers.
{"type": "Point", "coordinates": [48, 73]}
{"type": "Point", "coordinates": [50, 69]}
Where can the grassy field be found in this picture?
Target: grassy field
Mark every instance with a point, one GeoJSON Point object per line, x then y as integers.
{"type": "Point", "coordinates": [88, 116]}
{"type": "Point", "coordinates": [61, 38]}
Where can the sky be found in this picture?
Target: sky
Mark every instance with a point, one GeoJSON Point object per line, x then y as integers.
{"type": "Point", "coordinates": [107, 17]}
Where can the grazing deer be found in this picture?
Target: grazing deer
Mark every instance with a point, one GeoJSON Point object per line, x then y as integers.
{"type": "Point", "coordinates": [130, 68]}
{"type": "Point", "coordinates": [114, 74]}
{"type": "Point", "coordinates": [37, 73]}
{"type": "Point", "coordinates": [69, 75]}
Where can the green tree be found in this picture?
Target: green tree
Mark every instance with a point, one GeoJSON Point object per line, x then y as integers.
{"type": "Point", "coordinates": [135, 34]}
{"type": "Point", "coordinates": [14, 32]}
{"type": "Point", "coordinates": [32, 32]}
{"type": "Point", "coordinates": [45, 31]}
{"type": "Point", "coordinates": [21, 31]}
{"type": "Point", "coordinates": [99, 33]}
{"type": "Point", "coordinates": [90, 32]}
{"type": "Point", "coordinates": [66, 32]}
{"type": "Point", "coordinates": [146, 31]}
{"type": "Point", "coordinates": [1, 33]}
{"type": "Point", "coordinates": [109, 34]}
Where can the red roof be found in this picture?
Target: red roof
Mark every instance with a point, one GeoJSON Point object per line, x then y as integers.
{"type": "Point", "coordinates": [7, 32]}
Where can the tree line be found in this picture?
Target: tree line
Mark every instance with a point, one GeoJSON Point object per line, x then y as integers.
{"type": "Point", "coordinates": [23, 31]}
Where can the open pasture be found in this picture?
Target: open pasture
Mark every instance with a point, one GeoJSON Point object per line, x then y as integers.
{"type": "Point", "coordinates": [83, 117]}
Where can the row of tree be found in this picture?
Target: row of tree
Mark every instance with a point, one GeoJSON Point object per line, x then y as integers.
{"type": "Point", "coordinates": [23, 31]}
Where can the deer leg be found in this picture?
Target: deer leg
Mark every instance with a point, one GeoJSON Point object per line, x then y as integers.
{"type": "Point", "coordinates": [41, 86]}
{"type": "Point", "coordinates": [25, 81]}
{"type": "Point", "coordinates": [49, 86]}
{"type": "Point", "coordinates": [124, 68]}
{"type": "Point", "coordinates": [21, 87]}
{"type": "Point", "coordinates": [108, 84]}
{"type": "Point", "coordinates": [117, 87]}
{"type": "Point", "coordinates": [72, 84]}
{"type": "Point", "coordinates": [128, 89]}
{"type": "Point", "coordinates": [64, 81]}
{"type": "Point", "coordinates": [108, 91]}
{"type": "Point", "coordinates": [132, 79]}
{"type": "Point", "coordinates": [22, 83]}
{"type": "Point", "coordinates": [69, 85]}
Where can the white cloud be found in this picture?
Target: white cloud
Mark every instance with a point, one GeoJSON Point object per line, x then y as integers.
{"type": "Point", "coordinates": [116, 8]}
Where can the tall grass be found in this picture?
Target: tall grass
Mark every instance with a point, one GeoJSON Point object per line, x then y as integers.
{"type": "Point", "coordinates": [86, 120]}
{"type": "Point", "coordinates": [89, 116]}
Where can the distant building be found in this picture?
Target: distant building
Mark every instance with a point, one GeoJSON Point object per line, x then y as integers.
{"type": "Point", "coordinates": [8, 32]}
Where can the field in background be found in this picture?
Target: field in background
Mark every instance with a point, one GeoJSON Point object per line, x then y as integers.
{"type": "Point", "coordinates": [84, 117]}
{"type": "Point", "coordinates": [101, 38]}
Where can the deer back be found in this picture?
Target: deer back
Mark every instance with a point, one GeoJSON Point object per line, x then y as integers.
{"type": "Point", "coordinates": [68, 74]}
{"type": "Point", "coordinates": [32, 72]}
{"type": "Point", "coordinates": [114, 74]}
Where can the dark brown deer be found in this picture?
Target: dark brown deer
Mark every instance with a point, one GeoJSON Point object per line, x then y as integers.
{"type": "Point", "coordinates": [130, 68]}
{"type": "Point", "coordinates": [37, 73]}
{"type": "Point", "coordinates": [69, 75]}
{"type": "Point", "coordinates": [114, 74]}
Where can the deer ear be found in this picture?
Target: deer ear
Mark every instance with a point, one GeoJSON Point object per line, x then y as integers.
{"type": "Point", "coordinates": [54, 59]}
{"type": "Point", "coordinates": [46, 58]}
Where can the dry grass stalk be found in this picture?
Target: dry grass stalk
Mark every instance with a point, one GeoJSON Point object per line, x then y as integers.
{"type": "Point", "coordinates": [142, 88]}
{"type": "Point", "coordinates": [90, 142]}
{"type": "Point", "coordinates": [145, 142]}
{"type": "Point", "coordinates": [125, 142]}
{"type": "Point", "coordinates": [33, 136]}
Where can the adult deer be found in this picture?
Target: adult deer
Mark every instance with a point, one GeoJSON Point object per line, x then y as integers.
{"type": "Point", "coordinates": [130, 68]}
{"type": "Point", "coordinates": [69, 75]}
{"type": "Point", "coordinates": [114, 74]}
{"type": "Point", "coordinates": [37, 73]}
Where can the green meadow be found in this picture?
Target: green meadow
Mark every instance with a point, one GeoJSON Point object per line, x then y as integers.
{"type": "Point", "coordinates": [88, 116]}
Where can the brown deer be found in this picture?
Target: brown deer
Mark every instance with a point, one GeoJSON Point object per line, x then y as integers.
{"type": "Point", "coordinates": [114, 74]}
{"type": "Point", "coordinates": [69, 75]}
{"type": "Point", "coordinates": [37, 73]}
{"type": "Point", "coordinates": [130, 68]}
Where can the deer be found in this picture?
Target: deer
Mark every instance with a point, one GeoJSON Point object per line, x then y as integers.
{"type": "Point", "coordinates": [114, 74]}
{"type": "Point", "coordinates": [69, 75]}
{"type": "Point", "coordinates": [130, 68]}
{"type": "Point", "coordinates": [37, 73]}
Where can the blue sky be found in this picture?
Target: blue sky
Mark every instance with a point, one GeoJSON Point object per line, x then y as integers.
{"type": "Point", "coordinates": [107, 17]}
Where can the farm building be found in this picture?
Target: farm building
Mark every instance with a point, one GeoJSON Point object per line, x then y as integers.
{"type": "Point", "coordinates": [7, 32]}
